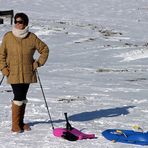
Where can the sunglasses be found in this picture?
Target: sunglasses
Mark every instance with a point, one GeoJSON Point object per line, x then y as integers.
{"type": "Point", "coordinates": [19, 22]}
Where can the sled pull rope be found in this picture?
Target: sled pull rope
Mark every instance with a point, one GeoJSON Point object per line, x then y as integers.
{"type": "Point", "coordinates": [121, 133]}
{"type": "Point", "coordinates": [45, 100]}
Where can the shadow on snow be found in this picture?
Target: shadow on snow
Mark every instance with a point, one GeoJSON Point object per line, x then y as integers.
{"type": "Point", "coordinates": [87, 116]}
{"type": "Point", "coordinates": [112, 112]}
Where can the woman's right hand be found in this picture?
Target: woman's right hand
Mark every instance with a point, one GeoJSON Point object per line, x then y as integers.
{"type": "Point", "coordinates": [5, 71]}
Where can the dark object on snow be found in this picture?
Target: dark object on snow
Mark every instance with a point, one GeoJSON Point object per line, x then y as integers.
{"type": "Point", "coordinates": [7, 13]}
{"type": "Point", "coordinates": [1, 21]}
{"type": "Point", "coordinates": [69, 136]}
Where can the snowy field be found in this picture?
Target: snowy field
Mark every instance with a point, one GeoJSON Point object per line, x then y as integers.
{"type": "Point", "coordinates": [97, 71]}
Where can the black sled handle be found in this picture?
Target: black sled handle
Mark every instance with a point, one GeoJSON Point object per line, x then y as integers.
{"type": "Point", "coordinates": [68, 135]}
{"type": "Point", "coordinates": [68, 125]}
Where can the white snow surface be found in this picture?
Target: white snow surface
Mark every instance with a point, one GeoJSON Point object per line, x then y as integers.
{"type": "Point", "coordinates": [97, 71]}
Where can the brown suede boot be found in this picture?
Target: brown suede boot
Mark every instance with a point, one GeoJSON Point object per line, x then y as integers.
{"type": "Point", "coordinates": [24, 126]}
{"type": "Point", "coordinates": [16, 114]}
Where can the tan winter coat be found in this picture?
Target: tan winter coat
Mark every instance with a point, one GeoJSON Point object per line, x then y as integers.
{"type": "Point", "coordinates": [17, 55]}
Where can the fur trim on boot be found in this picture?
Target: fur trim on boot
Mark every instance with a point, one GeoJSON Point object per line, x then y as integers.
{"type": "Point", "coordinates": [18, 103]}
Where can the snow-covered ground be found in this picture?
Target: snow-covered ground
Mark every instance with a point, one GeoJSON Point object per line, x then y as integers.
{"type": "Point", "coordinates": [97, 71]}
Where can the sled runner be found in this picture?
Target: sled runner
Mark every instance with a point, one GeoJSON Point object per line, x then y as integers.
{"type": "Point", "coordinates": [126, 136]}
{"type": "Point", "coordinates": [70, 133]}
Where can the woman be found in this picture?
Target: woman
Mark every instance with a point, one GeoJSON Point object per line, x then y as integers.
{"type": "Point", "coordinates": [17, 64]}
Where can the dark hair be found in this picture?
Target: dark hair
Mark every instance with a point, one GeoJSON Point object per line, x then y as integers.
{"type": "Point", "coordinates": [23, 16]}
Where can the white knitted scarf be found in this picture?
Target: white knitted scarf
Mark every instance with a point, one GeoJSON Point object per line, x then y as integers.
{"type": "Point", "coordinates": [20, 33]}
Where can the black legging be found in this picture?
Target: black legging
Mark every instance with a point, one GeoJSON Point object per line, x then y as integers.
{"type": "Point", "coordinates": [20, 91]}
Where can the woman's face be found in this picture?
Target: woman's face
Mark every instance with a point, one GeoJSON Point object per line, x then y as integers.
{"type": "Point", "coordinates": [19, 24]}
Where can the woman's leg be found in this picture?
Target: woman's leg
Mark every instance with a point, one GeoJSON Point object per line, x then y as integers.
{"type": "Point", "coordinates": [20, 91]}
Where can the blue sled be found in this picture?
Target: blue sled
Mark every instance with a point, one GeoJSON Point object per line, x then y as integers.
{"type": "Point", "coordinates": [126, 136]}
